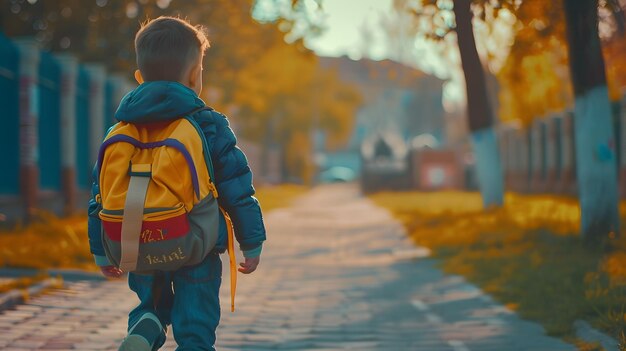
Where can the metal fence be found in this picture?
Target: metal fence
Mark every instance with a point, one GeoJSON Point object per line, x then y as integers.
{"type": "Point", "coordinates": [83, 166]}
{"type": "Point", "coordinates": [54, 112]}
{"type": "Point", "coordinates": [9, 135]}
{"type": "Point", "coordinates": [49, 88]}
{"type": "Point", "coordinates": [46, 144]}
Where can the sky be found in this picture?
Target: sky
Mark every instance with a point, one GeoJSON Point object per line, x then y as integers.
{"type": "Point", "coordinates": [345, 20]}
{"type": "Point", "coordinates": [344, 24]}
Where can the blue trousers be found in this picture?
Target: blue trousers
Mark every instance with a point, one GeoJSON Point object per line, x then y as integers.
{"type": "Point", "coordinates": [189, 301]}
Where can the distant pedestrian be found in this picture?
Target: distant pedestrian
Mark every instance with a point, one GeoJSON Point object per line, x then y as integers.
{"type": "Point", "coordinates": [161, 174]}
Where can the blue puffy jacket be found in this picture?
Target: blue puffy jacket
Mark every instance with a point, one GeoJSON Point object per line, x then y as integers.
{"type": "Point", "coordinates": [164, 100]}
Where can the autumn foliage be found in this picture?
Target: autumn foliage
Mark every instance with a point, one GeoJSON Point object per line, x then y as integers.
{"type": "Point", "coordinates": [526, 254]}
{"type": "Point", "coordinates": [52, 242]}
{"type": "Point", "coordinates": [274, 92]}
{"type": "Point", "coordinates": [49, 243]}
{"type": "Point", "coordinates": [535, 79]}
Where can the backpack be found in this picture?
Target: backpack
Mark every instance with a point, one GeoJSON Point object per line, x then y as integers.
{"type": "Point", "coordinates": [159, 203]}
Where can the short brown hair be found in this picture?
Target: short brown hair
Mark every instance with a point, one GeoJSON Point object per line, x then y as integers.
{"type": "Point", "coordinates": [167, 46]}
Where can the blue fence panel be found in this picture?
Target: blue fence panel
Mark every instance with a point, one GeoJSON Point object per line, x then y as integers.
{"type": "Point", "coordinates": [9, 102]}
{"type": "Point", "coordinates": [49, 122]}
{"type": "Point", "coordinates": [83, 166]}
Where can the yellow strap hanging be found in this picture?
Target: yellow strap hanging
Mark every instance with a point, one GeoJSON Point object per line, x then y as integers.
{"type": "Point", "coordinates": [231, 258]}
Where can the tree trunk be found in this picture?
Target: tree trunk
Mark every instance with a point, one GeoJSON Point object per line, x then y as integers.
{"type": "Point", "coordinates": [480, 116]}
{"type": "Point", "coordinates": [594, 137]}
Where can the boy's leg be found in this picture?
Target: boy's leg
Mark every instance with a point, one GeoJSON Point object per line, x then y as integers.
{"type": "Point", "coordinates": [196, 310]}
{"type": "Point", "coordinates": [144, 319]}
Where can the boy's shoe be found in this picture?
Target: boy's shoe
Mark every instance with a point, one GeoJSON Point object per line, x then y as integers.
{"type": "Point", "coordinates": [142, 335]}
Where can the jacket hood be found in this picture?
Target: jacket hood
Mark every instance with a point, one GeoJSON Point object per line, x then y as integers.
{"type": "Point", "coordinates": [157, 101]}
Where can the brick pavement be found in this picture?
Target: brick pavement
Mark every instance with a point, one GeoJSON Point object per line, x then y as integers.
{"type": "Point", "coordinates": [337, 274]}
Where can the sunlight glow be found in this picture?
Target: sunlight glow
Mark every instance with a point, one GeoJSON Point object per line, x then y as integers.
{"type": "Point", "coordinates": [346, 22]}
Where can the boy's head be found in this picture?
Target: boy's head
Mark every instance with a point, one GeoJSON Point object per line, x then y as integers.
{"type": "Point", "coordinates": [170, 48]}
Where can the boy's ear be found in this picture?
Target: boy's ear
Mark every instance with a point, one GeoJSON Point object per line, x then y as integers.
{"type": "Point", "coordinates": [193, 75]}
{"type": "Point", "coordinates": [138, 77]}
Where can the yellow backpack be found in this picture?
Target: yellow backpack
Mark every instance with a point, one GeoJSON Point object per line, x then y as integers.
{"type": "Point", "coordinates": [159, 202]}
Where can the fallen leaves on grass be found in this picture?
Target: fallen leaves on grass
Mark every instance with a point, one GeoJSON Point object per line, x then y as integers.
{"type": "Point", "coordinates": [527, 254]}
{"type": "Point", "coordinates": [49, 242]}
{"type": "Point", "coordinates": [22, 282]}
{"type": "Point", "coordinates": [52, 242]}
{"type": "Point", "coordinates": [273, 197]}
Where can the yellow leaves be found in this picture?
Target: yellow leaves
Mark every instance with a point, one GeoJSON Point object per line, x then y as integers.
{"type": "Point", "coordinates": [457, 218]}
{"type": "Point", "coordinates": [63, 242]}
{"type": "Point", "coordinates": [512, 306]}
{"type": "Point", "coordinates": [278, 75]}
{"type": "Point", "coordinates": [299, 145]}
{"type": "Point", "coordinates": [431, 203]}
{"type": "Point", "coordinates": [614, 53]}
{"type": "Point", "coordinates": [615, 266]}
{"type": "Point", "coordinates": [51, 242]}
{"type": "Point", "coordinates": [71, 233]}
{"type": "Point", "coordinates": [21, 283]}
{"type": "Point", "coordinates": [285, 95]}
{"type": "Point", "coordinates": [560, 215]}
{"type": "Point", "coordinates": [25, 295]}
{"type": "Point", "coordinates": [535, 79]}
{"type": "Point", "coordinates": [582, 345]}
{"type": "Point", "coordinates": [534, 85]}
{"type": "Point", "coordinates": [277, 89]}
{"type": "Point", "coordinates": [288, 83]}
{"type": "Point", "coordinates": [527, 254]}
{"type": "Point", "coordinates": [273, 197]}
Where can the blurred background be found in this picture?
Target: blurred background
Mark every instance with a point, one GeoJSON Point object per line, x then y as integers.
{"type": "Point", "coordinates": [317, 91]}
{"type": "Point", "coordinates": [463, 117]}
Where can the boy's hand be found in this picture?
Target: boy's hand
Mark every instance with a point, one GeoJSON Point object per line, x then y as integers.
{"type": "Point", "coordinates": [249, 265]}
{"type": "Point", "coordinates": [111, 271]}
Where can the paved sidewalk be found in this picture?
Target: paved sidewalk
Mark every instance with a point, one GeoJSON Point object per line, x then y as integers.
{"type": "Point", "coordinates": [338, 273]}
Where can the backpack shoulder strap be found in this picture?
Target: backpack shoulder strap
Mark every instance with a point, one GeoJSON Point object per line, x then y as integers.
{"type": "Point", "coordinates": [140, 175]}
{"type": "Point", "coordinates": [205, 144]}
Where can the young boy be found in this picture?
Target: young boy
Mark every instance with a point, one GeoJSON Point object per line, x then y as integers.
{"type": "Point", "coordinates": [169, 59]}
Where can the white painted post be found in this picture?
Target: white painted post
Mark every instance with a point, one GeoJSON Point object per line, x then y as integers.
{"type": "Point", "coordinates": [69, 74]}
{"type": "Point", "coordinates": [488, 166]}
{"type": "Point", "coordinates": [29, 119]}
{"type": "Point", "coordinates": [595, 162]}
{"type": "Point", "coordinates": [96, 108]}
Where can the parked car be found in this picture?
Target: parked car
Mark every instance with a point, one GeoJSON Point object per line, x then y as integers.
{"type": "Point", "coordinates": [337, 174]}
